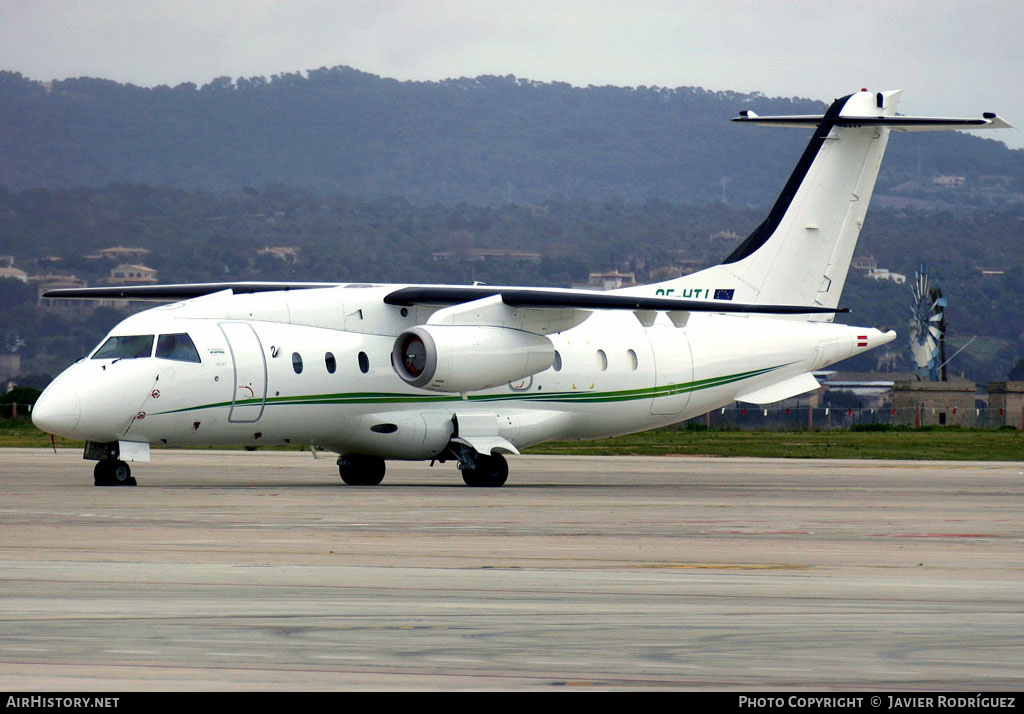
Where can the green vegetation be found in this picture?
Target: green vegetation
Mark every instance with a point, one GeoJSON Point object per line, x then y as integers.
{"type": "Point", "coordinates": [894, 443]}
{"type": "Point", "coordinates": [21, 432]}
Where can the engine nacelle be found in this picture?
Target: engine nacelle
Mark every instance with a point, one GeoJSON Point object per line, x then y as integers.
{"type": "Point", "coordinates": [465, 358]}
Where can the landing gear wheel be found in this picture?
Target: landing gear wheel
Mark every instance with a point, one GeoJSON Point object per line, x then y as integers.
{"type": "Point", "coordinates": [486, 472]}
{"type": "Point", "coordinates": [110, 472]}
{"type": "Point", "coordinates": [361, 470]}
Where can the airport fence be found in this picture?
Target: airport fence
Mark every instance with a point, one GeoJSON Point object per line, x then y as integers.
{"type": "Point", "coordinates": [803, 418]}
{"type": "Point", "coordinates": [13, 410]}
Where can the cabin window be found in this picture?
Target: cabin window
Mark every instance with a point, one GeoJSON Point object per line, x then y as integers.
{"type": "Point", "coordinates": [125, 347]}
{"type": "Point", "coordinates": [557, 364]}
{"type": "Point", "coordinates": [178, 347]}
{"type": "Point", "coordinates": [602, 360]}
{"type": "Point", "coordinates": [364, 363]}
{"type": "Point", "coordinates": [297, 362]}
{"type": "Point", "coordinates": [634, 362]}
{"type": "Point", "coordinates": [332, 364]}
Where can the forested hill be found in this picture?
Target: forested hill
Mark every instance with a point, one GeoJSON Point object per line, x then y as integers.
{"type": "Point", "coordinates": [485, 140]}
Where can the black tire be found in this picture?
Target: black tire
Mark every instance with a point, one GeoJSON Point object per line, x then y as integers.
{"type": "Point", "coordinates": [486, 472]}
{"type": "Point", "coordinates": [112, 473]}
{"type": "Point", "coordinates": [361, 470]}
{"type": "Point", "coordinates": [101, 474]}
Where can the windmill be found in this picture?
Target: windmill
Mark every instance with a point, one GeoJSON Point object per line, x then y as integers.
{"type": "Point", "coordinates": [928, 329]}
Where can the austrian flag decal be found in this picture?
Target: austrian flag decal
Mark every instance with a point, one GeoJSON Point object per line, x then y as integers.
{"type": "Point", "coordinates": [862, 340]}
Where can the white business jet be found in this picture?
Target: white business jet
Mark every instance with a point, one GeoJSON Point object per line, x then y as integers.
{"type": "Point", "coordinates": [471, 373]}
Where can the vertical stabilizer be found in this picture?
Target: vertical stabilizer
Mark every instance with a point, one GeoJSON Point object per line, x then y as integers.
{"type": "Point", "coordinates": [801, 252]}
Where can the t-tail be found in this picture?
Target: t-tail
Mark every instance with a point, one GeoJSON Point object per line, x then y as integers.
{"type": "Point", "coordinates": [801, 253]}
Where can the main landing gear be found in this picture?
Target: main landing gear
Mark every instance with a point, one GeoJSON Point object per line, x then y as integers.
{"type": "Point", "coordinates": [478, 470]}
{"type": "Point", "coordinates": [484, 471]}
{"type": "Point", "coordinates": [111, 472]}
{"type": "Point", "coordinates": [361, 470]}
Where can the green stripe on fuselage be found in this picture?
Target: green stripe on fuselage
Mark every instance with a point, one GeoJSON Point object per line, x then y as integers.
{"type": "Point", "coordinates": [666, 390]}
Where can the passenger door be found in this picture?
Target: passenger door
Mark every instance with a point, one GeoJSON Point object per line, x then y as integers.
{"type": "Point", "coordinates": [250, 365]}
{"type": "Point", "coordinates": [673, 365]}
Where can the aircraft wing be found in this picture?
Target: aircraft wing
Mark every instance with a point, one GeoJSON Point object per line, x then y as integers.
{"type": "Point", "coordinates": [539, 310]}
{"type": "Point", "coordinates": [182, 291]}
{"type": "Point", "coordinates": [583, 300]}
{"type": "Point", "coordinates": [447, 295]}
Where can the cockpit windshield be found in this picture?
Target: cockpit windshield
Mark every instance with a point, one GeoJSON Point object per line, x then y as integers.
{"type": "Point", "coordinates": [125, 347]}
{"type": "Point", "coordinates": [178, 347]}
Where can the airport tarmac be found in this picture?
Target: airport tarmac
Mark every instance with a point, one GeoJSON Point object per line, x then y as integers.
{"type": "Point", "coordinates": [242, 571]}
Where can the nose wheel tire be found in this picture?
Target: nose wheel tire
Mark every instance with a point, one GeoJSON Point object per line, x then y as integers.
{"type": "Point", "coordinates": [361, 470]}
{"type": "Point", "coordinates": [486, 471]}
{"type": "Point", "coordinates": [112, 473]}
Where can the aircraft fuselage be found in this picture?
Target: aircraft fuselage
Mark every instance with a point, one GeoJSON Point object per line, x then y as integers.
{"type": "Point", "coordinates": [264, 376]}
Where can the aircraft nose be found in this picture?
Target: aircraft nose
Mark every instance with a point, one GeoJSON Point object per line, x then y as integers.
{"type": "Point", "coordinates": [57, 411]}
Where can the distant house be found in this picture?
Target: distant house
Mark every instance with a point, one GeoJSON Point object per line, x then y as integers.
{"type": "Point", "coordinates": [724, 235]}
{"type": "Point", "coordinates": [120, 252]}
{"type": "Point", "coordinates": [286, 253]}
{"type": "Point", "coordinates": [885, 274]}
{"type": "Point", "coordinates": [128, 274]}
{"type": "Point", "coordinates": [611, 280]}
{"type": "Point", "coordinates": [14, 274]}
{"type": "Point", "coordinates": [54, 282]}
{"type": "Point", "coordinates": [864, 262]}
{"type": "Point", "coordinates": [872, 388]}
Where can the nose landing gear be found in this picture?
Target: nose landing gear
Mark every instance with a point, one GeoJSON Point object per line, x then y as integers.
{"type": "Point", "coordinates": [111, 472]}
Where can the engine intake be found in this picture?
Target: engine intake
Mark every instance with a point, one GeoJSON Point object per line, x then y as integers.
{"type": "Point", "coordinates": [466, 358]}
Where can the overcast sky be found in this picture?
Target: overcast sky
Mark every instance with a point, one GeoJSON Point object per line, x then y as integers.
{"type": "Point", "coordinates": [953, 57]}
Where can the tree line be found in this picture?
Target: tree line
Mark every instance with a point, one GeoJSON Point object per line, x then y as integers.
{"type": "Point", "coordinates": [483, 140]}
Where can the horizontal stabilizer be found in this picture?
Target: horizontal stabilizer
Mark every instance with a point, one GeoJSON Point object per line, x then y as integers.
{"type": "Point", "coordinates": [792, 387]}
{"type": "Point", "coordinates": [897, 123]}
